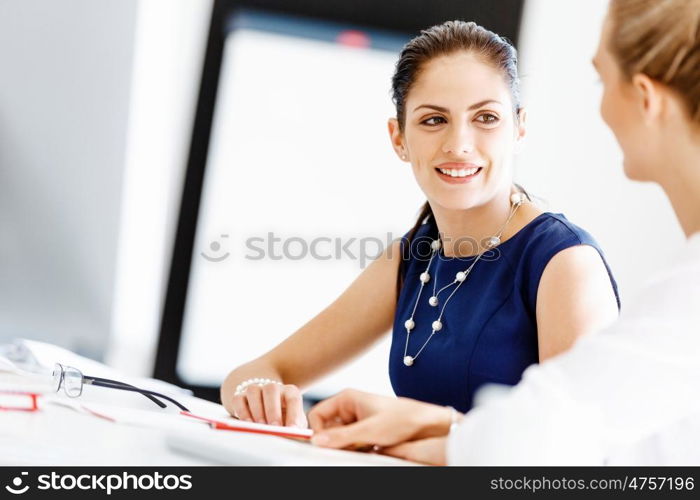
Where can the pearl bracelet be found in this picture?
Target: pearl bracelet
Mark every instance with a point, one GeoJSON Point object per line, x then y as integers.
{"type": "Point", "coordinates": [260, 382]}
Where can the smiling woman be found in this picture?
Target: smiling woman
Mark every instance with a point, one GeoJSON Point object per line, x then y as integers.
{"type": "Point", "coordinates": [514, 276]}
{"type": "Point", "coordinates": [485, 285]}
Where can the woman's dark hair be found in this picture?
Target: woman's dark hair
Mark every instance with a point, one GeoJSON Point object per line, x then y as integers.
{"type": "Point", "coordinates": [442, 40]}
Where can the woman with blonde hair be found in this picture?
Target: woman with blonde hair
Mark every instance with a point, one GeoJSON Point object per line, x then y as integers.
{"type": "Point", "coordinates": [629, 394]}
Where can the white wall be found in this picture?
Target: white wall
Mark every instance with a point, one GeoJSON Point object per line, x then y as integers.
{"type": "Point", "coordinates": [570, 157]}
{"type": "Point", "coordinates": [64, 94]}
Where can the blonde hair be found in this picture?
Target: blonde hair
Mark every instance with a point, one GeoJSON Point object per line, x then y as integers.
{"type": "Point", "coordinates": [661, 39]}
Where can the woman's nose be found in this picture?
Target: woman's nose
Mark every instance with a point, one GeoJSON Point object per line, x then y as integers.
{"type": "Point", "coordinates": [459, 140]}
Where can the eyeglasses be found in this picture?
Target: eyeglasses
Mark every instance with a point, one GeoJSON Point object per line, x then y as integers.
{"type": "Point", "coordinates": [73, 380]}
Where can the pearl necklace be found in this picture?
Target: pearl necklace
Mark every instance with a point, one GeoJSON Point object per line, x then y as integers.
{"type": "Point", "coordinates": [516, 200]}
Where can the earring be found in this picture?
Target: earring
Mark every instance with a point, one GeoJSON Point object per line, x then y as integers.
{"type": "Point", "coordinates": [403, 157]}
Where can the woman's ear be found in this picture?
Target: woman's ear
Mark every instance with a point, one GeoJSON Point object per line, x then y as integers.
{"type": "Point", "coordinates": [648, 96]}
{"type": "Point", "coordinates": [396, 138]}
{"type": "Point", "coordinates": [521, 128]}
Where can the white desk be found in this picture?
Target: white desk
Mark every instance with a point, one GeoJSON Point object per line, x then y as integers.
{"type": "Point", "coordinates": [58, 435]}
{"type": "Point", "coordinates": [143, 434]}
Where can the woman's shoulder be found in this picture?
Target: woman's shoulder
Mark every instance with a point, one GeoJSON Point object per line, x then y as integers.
{"type": "Point", "coordinates": [542, 238]}
{"type": "Point", "coordinates": [546, 236]}
{"type": "Point", "coordinates": [550, 228]}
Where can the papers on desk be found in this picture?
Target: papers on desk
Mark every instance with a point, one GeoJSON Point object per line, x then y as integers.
{"type": "Point", "coordinates": [26, 363]}
{"type": "Point", "coordinates": [8, 366]}
{"type": "Point", "coordinates": [40, 357]}
{"type": "Point", "coordinates": [208, 432]}
{"type": "Point", "coordinates": [252, 427]}
{"type": "Point", "coordinates": [165, 419]}
{"type": "Point", "coordinates": [159, 419]}
{"type": "Point", "coordinates": [193, 437]}
{"type": "Point", "coordinates": [26, 382]}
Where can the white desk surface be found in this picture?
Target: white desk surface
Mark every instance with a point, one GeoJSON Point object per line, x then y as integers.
{"type": "Point", "coordinates": [58, 435]}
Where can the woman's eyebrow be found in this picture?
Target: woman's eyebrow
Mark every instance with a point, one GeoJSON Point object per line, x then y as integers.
{"type": "Point", "coordinates": [483, 103]}
{"type": "Point", "coordinates": [445, 110]}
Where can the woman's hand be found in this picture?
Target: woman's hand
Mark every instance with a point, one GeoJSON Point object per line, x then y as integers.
{"type": "Point", "coordinates": [358, 318]}
{"type": "Point", "coordinates": [355, 419]}
{"type": "Point", "coordinates": [272, 403]}
{"type": "Point", "coordinates": [431, 451]}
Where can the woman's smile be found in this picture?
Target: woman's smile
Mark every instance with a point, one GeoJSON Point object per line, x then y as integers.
{"type": "Point", "coordinates": [457, 172]}
{"type": "Point", "coordinates": [458, 176]}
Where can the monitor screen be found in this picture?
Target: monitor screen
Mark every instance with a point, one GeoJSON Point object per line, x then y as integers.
{"type": "Point", "coordinates": [301, 191]}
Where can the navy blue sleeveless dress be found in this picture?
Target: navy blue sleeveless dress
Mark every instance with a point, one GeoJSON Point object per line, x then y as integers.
{"type": "Point", "coordinates": [489, 332]}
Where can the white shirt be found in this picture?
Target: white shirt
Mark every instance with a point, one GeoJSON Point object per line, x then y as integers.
{"type": "Point", "coordinates": [627, 395]}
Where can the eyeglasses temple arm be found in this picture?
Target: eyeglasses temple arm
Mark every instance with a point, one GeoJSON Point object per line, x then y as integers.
{"type": "Point", "coordinates": [100, 382]}
{"type": "Point", "coordinates": [104, 382]}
